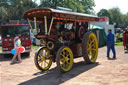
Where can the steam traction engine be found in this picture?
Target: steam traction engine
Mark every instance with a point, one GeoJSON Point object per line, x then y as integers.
{"type": "Point", "coordinates": [64, 36]}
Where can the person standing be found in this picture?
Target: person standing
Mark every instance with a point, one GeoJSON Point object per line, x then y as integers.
{"type": "Point", "coordinates": [17, 44]}
{"type": "Point", "coordinates": [110, 44]}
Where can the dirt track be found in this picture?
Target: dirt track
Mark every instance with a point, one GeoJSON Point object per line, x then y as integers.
{"type": "Point", "coordinates": [103, 72]}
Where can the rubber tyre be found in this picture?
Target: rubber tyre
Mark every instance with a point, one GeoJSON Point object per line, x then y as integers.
{"type": "Point", "coordinates": [89, 47]}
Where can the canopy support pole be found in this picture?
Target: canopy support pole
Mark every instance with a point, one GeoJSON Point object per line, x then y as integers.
{"type": "Point", "coordinates": [29, 24]}
{"type": "Point", "coordinates": [50, 26]}
{"type": "Point", "coordinates": [35, 24]}
{"type": "Point", "coordinates": [45, 21]}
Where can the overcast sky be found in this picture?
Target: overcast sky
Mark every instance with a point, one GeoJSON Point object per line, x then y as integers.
{"type": "Point", "coordinates": [107, 4]}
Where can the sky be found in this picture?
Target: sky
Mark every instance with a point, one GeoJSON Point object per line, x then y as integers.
{"type": "Point", "coordinates": [108, 4]}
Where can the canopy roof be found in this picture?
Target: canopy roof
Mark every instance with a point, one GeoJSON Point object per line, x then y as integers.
{"type": "Point", "coordinates": [58, 14]}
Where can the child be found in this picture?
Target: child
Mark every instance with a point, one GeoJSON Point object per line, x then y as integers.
{"type": "Point", "coordinates": [17, 44]}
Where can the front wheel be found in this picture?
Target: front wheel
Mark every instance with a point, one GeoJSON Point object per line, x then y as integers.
{"type": "Point", "coordinates": [64, 59]}
{"type": "Point", "coordinates": [90, 47]}
{"type": "Point", "coordinates": [43, 59]}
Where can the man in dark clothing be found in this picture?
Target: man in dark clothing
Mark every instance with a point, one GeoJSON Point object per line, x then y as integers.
{"type": "Point", "coordinates": [110, 44]}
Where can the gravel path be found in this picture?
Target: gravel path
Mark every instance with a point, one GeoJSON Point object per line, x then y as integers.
{"type": "Point", "coordinates": [103, 72]}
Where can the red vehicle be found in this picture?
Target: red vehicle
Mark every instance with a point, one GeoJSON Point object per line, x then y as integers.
{"type": "Point", "coordinates": [10, 31]}
{"type": "Point", "coordinates": [125, 39]}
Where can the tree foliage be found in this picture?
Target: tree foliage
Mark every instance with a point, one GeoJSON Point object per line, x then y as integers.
{"type": "Point", "coordinates": [103, 12]}
{"type": "Point", "coordinates": [14, 9]}
{"type": "Point", "coordinates": [4, 3]}
{"type": "Point", "coordinates": [84, 6]}
{"type": "Point", "coordinates": [3, 14]}
{"type": "Point", "coordinates": [20, 8]}
{"type": "Point", "coordinates": [115, 16]}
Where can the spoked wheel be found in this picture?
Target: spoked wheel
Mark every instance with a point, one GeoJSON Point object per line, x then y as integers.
{"type": "Point", "coordinates": [90, 47]}
{"type": "Point", "coordinates": [64, 59]}
{"type": "Point", "coordinates": [43, 60]}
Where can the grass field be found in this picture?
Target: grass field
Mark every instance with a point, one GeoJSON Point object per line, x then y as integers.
{"type": "Point", "coordinates": [0, 48]}
{"type": "Point", "coordinates": [36, 47]}
{"type": "Point", "coordinates": [33, 47]}
{"type": "Point", "coordinates": [119, 44]}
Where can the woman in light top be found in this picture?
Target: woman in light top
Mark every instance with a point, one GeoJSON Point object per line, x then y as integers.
{"type": "Point", "coordinates": [17, 44]}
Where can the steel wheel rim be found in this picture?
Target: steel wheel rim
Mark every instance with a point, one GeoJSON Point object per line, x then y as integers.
{"type": "Point", "coordinates": [66, 59]}
{"type": "Point", "coordinates": [92, 47]}
{"type": "Point", "coordinates": [44, 59]}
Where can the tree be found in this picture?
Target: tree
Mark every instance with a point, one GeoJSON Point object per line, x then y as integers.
{"type": "Point", "coordinates": [3, 14]}
{"type": "Point", "coordinates": [124, 22]}
{"type": "Point", "coordinates": [116, 16]}
{"type": "Point", "coordinates": [84, 6]}
{"type": "Point", "coordinates": [104, 13]}
{"type": "Point", "coordinates": [14, 9]}
{"type": "Point", "coordinates": [17, 8]}
{"type": "Point", "coordinates": [88, 5]}
{"type": "Point", "coordinates": [4, 3]}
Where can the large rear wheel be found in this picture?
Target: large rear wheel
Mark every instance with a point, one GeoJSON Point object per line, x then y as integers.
{"type": "Point", "coordinates": [90, 47]}
{"type": "Point", "coordinates": [64, 59]}
{"type": "Point", "coordinates": [43, 60]}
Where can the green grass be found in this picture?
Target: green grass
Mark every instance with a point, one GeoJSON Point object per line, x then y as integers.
{"type": "Point", "coordinates": [0, 48]}
{"type": "Point", "coordinates": [35, 47]}
{"type": "Point", "coordinates": [119, 44]}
